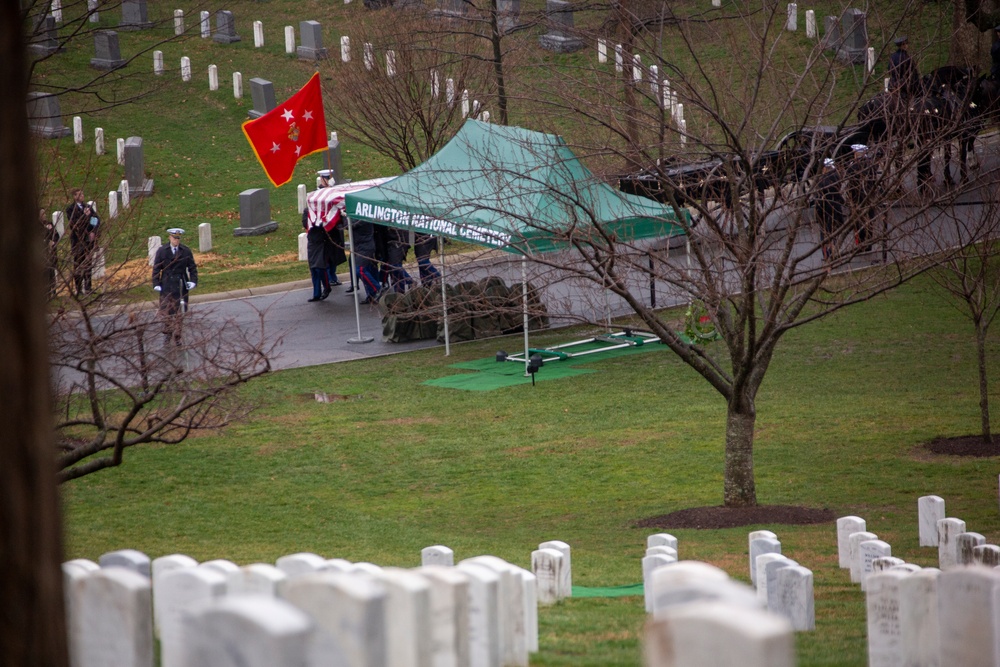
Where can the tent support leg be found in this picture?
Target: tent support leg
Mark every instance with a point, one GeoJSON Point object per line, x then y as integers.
{"type": "Point", "coordinates": [444, 299]}
{"type": "Point", "coordinates": [524, 309]}
{"type": "Point", "coordinates": [354, 272]}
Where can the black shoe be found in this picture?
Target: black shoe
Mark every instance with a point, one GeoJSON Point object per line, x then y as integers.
{"type": "Point", "coordinates": [325, 294]}
{"type": "Point", "coordinates": [336, 283]}
{"type": "Point", "coordinates": [349, 290]}
{"type": "Point", "coordinates": [315, 298]}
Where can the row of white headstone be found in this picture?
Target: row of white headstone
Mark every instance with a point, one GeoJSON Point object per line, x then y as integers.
{"type": "Point", "coordinates": [948, 615]}
{"type": "Point", "coordinates": [303, 611]}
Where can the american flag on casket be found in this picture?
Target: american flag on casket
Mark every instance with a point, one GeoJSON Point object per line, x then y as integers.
{"type": "Point", "coordinates": [324, 206]}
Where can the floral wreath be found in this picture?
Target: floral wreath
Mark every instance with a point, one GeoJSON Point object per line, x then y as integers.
{"type": "Point", "coordinates": [698, 326]}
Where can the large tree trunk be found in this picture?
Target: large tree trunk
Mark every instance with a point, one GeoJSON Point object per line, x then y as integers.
{"type": "Point", "coordinates": [739, 487]}
{"type": "Point", "coordinates": [32, 621]}
{"type": "Point", "coordinates": [984, 385]}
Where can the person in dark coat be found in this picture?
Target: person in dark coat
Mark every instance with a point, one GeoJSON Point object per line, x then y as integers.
{"type": "Point", "coordinates": [319, 263]}
{"type": "Point", "coordinates": [423, 244]}
{"type": "Point", "coordinates": [363, 253]}
{"type": "Point", "coordinates": [904, 77]}
{"type": "Point", "coordinates": [829, 205]}
{"type": "Point", "coordinates": [83, 221]}
{"type": "Point", "coordinates": [174, 275]}
{"type": "Point", "coordinates": [860, 183]}
{"type": "Point", "coordinates": [51, 236]}
{"type": "Point", "coordinates": [399, 246]}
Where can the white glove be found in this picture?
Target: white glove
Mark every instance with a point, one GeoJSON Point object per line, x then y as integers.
{"type": "Point", "coordinates": [190, 285]}
{"type": "Point", "coordinates": [157, 288]}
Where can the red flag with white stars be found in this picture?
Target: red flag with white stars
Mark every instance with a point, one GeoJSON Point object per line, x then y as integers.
{"type": "Point", "coordinates": [289, 132]}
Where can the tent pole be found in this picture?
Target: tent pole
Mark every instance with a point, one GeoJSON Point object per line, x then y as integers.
{"type": "Point", "coordinates": [524, 308]}
{"type": "Point", "coordinates": [353, 278]}
{"type": "Point", "coordinates": [444, 298]}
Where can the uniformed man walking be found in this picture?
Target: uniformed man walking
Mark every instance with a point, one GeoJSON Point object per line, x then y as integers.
{"type": "Point", "coordinates": [904, 77]}
{"type": "Point", "coordinates": [174, 275]}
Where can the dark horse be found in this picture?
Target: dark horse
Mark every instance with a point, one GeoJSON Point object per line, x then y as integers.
{"type": "Point", "coordinates": [941, 111]}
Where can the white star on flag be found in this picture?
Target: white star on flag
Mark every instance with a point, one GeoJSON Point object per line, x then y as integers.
{"type": "Point", "coordinates": [298, 150]}
{"type": "Point", "coordinates": [275, 147]}
{"type": "Point", "coordinates": [288, 115]}
{"type": "Point", "coordinates": [308, 115]}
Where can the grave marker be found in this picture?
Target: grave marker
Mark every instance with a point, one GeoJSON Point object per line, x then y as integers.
{"type": "Point", "coordinates": [345, 51]}
{"type": "Point", "coordinates": [312, 41]}
{"type": "Point", "coordinates": [967, 616]}
{"type": "Point", "coordinates": [164, 564]}
{"type": "Point", "coordinates": [300, 563]}
{"type": "Point", "coordinates": [484, 614]}
{"type": "Point", "coordinates": [566, 577]}
{"type": "Point", "coordinates": [158, 63]}
{"type": "Point", "coordinates": [258, 34]}
{"type": "Point", "coordinates": [179, 591]}
{"type": "Point", "coordinates": [153, 244]}
{"type": "Point", "coordinates": [508, 15]}
{"type": "Point", "coordinates": [649, 565]}
{"type": "Point", "coordinates": [882, 605]}
{"type": "Point", "coordinates": [793, 597]}
{"type": "Point", "coordinates": [135, 170]}
{"type": "Point", "coordinates": [756, 534]}
{"type": "Point", "coordinates": [831, 33]}
{"type": "Point", "coordinates": [255, 213]}
{"type": "Point", "coordinates": [332, 158]}
{"type": "Point", "coordinates": [44, 38]}
{"type": "Point", "coordinates": [948, 531]}
{"type": "Point", "coordinates": [853, 540]}
{"type": "Point", "coordinates": [661, 539]}
{"type": "Point", "coordinates": [44, 116]}
{"type": "Point", "coordinates": [107, 53]}
{"type": "Point", "coordinates": [930, 510]}
{"type": "Point", "coordinates": [869, 550]}
{"type": "Point", "coordinates": [560, 38]}
{"type": "Point", "coordinates": [178, 22]}
{"type": "Point", "coordinates": [792, 17]}
{"type": "Point", "coordinates": [547, 566]}
{"type": "Point", "coordinates": [810, 24]}
{"type": "Point", "coordinates": [114, 620]}
{"type": "Point", "coordinates": [113, 204]}
{"type": "Point", "coordinates": [513, 630]}
{"type": "Point", "coordinates": [449, 615]}
{"type": "Point", "coordinates": [262, 94]}
{"type": "Point", "coordinates": [77, 130]}
{"type": "Point", "coordinates": [986, 554]}
{"type": "Point", "coordinates": [289, 40]}
{"type": "Point", "coordinates": [237, 85]}
{"type": "Point", "coordinates": [185, 69]}
{"type": "Point", "coordinates": [135, 16]}
{"type": "Point", "coordinates": [256, 578]}
{"type": "Point", "coordinates": [602, 50]}
{"type": "Point", "coordinates": [130, 559]}
{"type": "Point", "coordinates": [225, 28]}
{"type": "Point", "coordinates": [248, 631]}
{"type": "Point", "coordinates": [854, 46]}
{"type": "Point", "coordinates": [758, 547]}
{"type": "Point", "coordinates": [213, 77]}
{"type": "Point", "coordinates": [964, 545]}
{"type": "Point", "coordinates": [668, 591]}
{"type": "Point", "coordinates": [767, 570]}
{"type": "Point", "coordinates": [205, 24]}
{"type": "Point", "coordinates": [437, 555]}
{"type": "Point", "coordinates": [92, 11]}
{"type": "Point", "coordinates": [99, 140]}
{"type": "Point", "coordinates": [918, 618]}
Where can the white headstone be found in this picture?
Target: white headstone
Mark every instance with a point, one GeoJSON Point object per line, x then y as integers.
{"type": "Point", "coordinates": [225, 567]}
{"type": "Point", "coordinates": [756, 534]}
{"type": "Point", "coordinates": [213, 77]}
{"type": "Point", "coordinates": [449, 615]}
{"type": "Point", "coordinates": [205, 24]}
{"type": "Point", "coordinates": [205, 237]}
{"type": "Point", "coordinates": [300, 563]}
{"type": "Point", "coordinates": [882, 602]}
{"type": "Point", "coordinates": [484, 614]}
{"type": "Point", "coordinates": [437, 555]}
{"type": "Point", "coordinates": [289, 39]}
{"type": "Point", "coordinates": [986, 554]}
{"type": "Point", "coordinates": [369, 56]}
{"type": "Point", "coordinates": [918, 618]}
{"type": "Point", "coordinates": [465, 103]}
{"type": "Point", "coordinates": [338, 565]}
{"type": "Point", "coordinates": [662, 550]}
{"type": "Point", "coordinates": [810, 24]}
{"type": "Point", "coordinates": [853, 540]}
{"type": "Point", "coordinates": [248, 631]}
{"type": "Point", "coordinates": [513, 644]}
{"type": "Point", "coordinates": [345, 49]}
{"type": "Point", "coordinates": [661, 540]}
{"type": "Point", "coordinates": [258, 34]}
{"type": "Point", "coordinates": [636, 68]}
{"type": "Point", "coordinates": [846, 525]}
{"type": "Point", "coordinates": [185, 68]}
{"type": "Point", "coordinates": [884, 563]}
{"type": "Point", "coordinates": [930, 510]}
{"type": "Point", "coordinates": [99, 140]}
{"type": "Point", "coordinates": [178, 593]}
{"type": "Point", "coordinates": [256, 578]}
{"type": "Point", "coordinates": [178, 21]}
{"type": "Point", "coordinates": [408, 609]}
{"type": "Point", "coordinates": [758, 547]}
{"type": "Point", "coordinates": [870, 59]}
{"type": "Point", "coordinates": [547, 565]}
{"type": "Point", "coordinates": [908, 568]}
{"type": "Point", "coordinates": [792, 17]}
{"type": "Point", "coordinates": [120, 143]}
{"type": "Point", "coordinates": [73, 571]}
{"type": "Point", "coordinates": [529, 583]}
{"type": "Point", "coordinates": [602, 50]}
{"type": "Point", "coordinates": [56, 9]}
{"type": "Point", "coordinates": [649, 565]}
{"type": "Point", "coordinates": [964, 545]}
{"type": "Point", "coordinates": [767, 572]}
{"type": "Point", "coordinates": [793, 597]}
{"type": "Point", "coordinates": [303, 247]}
{"type": "Point", "coordinates": [667, 596]}
{"type": "Point", "coordinates": [967, 616]}
{"type": "Point", "coordinates": [654, 82]}
{"type": "Point", "coordinates": [619, 59]}
{"type": "Point", "coordinates": [713, 634]}
{"type": "Point", "coordinates": [127, 558]}
{"type": "Point", "coordinates": [153, 244]}
{"type": "Point", "coordinates": [390, 63]}
{"type": "Point", "coordinates": [435, 84]}
{"type": "Point", "coordinates": [164, 564]}
{"type": "Point", "coordinates": [114, 620]}
{"type": "Point", "coordinates": [948, 532]}
{"type": "Point", "coordinates": [237, 85]}
{"type": "Point", "coordinates": [157, 63]}
{"type": "Point", "coordinates": [350, 616]}
{"type": "Point", "coordinates": [77, 130]}
{"type": "Point", "coordinates": [566, 579]}
{"type": "Point", "coordinates": [113, 204]}
{"type": "Point", "coordinates": [869, 550]}
{"type": "Point", "coordinates": [450, 92]}
{"type": "Point", "coordinates": [92, 9]}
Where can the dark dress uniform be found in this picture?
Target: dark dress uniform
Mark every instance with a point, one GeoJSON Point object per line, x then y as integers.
{"type": "Point", "coordinates": [861, 181]}
{"type": "Point", "coordinates": [903, 75]}
{"type": "Point", "coordinates": [83, 225]}
{"type": "Point", "coordinates": [173, 269]}
{"type": "Point", "coordinates": [829, 205]}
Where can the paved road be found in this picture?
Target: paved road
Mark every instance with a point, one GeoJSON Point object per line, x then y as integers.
{"type": "Point", "coordinates": [328, 331]}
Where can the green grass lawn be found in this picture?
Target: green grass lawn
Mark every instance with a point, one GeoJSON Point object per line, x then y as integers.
{"type": "Point", "coordinates": [400, 465]}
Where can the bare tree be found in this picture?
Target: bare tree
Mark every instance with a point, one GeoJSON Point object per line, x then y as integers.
{"type": "Point", "coordinates": [969, 243]}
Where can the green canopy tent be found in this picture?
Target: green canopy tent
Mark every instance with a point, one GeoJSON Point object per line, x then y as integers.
{"type": "Point", "coordinates": [520, 191]}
